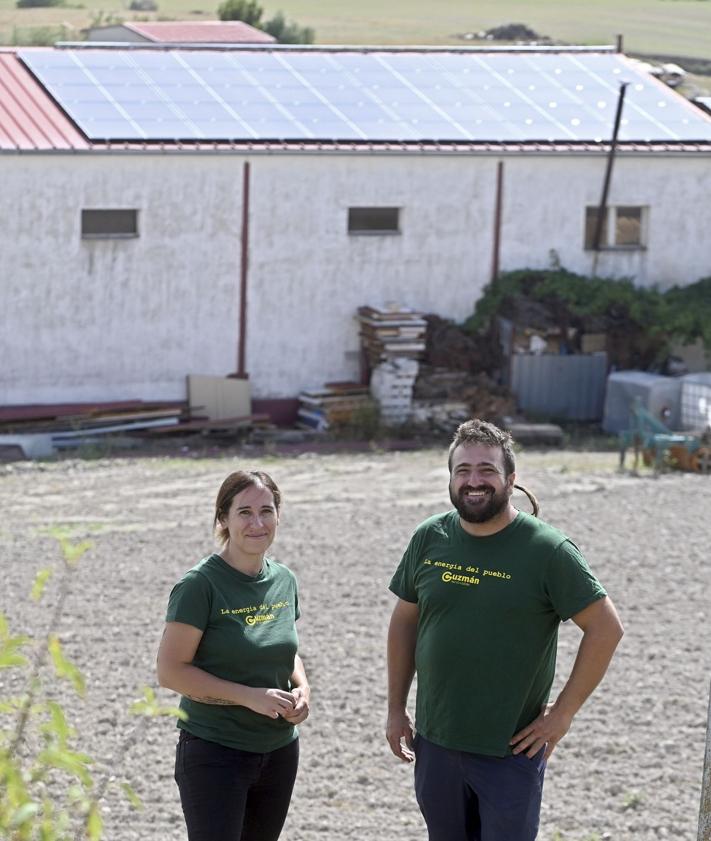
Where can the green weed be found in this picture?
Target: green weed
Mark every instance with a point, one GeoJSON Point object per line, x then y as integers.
{"type": "Point", "coordinates": [37, 741]}
{"type": "Point", "coordinates": [632, 800]}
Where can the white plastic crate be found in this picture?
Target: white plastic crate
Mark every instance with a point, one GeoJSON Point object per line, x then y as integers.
{"type": "Point", "coordinates": [696, 401]}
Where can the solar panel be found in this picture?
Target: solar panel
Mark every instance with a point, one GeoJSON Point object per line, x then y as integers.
{"type": "Point", "coordinates": [292, 95]}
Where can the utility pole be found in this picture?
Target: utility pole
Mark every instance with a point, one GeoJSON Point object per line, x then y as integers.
{"type": "Point", "coordinates": [602, 209]}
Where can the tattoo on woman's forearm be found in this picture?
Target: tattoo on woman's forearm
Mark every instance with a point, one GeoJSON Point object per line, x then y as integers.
{"type": "Point", "coordinates": [217, 701]}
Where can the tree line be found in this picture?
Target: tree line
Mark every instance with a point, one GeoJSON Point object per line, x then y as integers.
{"type": "Point", "coordinates": [249, 11]}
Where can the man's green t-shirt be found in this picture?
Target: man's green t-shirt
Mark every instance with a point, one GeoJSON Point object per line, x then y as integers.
{"type": "Point", "coordinates": [249, 637]}
{"type": "Point", "coordinates": [487, 633]}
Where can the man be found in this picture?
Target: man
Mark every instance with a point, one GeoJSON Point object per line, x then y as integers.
{"type": "Point", "coordinates": [481, 592]}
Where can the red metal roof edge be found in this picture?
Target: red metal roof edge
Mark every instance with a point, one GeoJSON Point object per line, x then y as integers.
{"type": "Point", "coordinates": [151, 30]}
{"type": "Point", "coordinates": [129, 25]}
{"type": "Point", "coordinates": [31, 120]}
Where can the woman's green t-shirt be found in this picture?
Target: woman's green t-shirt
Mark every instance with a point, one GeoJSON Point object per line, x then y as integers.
{"type": "Point", "coordinates": [249, 637]}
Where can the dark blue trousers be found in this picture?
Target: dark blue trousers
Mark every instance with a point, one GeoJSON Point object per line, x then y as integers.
{"type": "Point", "coordinates": [472, 797]}
{"type": "Point", "coordinates": [234, 795]}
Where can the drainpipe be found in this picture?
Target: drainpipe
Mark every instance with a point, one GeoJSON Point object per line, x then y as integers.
{"type": "Point", "coordinates": [497, 222]}
{"type": "Point", "coordinates": [244, 267]}
{"type": "Point", "coordinates": [608, 177]}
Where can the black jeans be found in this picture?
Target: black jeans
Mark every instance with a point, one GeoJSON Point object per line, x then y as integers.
{"type": "Point", "coordinates": [234, 795]}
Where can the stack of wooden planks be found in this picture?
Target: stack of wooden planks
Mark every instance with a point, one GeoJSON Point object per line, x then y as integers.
{"type": "Point", "coordinates": [334, 405]}
{"type": "Point", "coordinates": [40, 430]}
{"type": "Point", "coordinates": [77, 417]}
{"type": "Point", "coordinates": [391, 333]}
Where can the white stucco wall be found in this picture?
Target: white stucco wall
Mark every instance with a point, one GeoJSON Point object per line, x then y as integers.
{"type": "Point", "coordinates": [122, 318]}
{"type": "Point", "coordinates": [119, 319]}
{"type": "Point", "coordinates": [544, 208]}
{"type": "Point", "coordinates": [313, 275]}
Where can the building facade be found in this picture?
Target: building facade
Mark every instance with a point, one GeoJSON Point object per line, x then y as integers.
{"type": "Point", "coordinates": [126, 266]}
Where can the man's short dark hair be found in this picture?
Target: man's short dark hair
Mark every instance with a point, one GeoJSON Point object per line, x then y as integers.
{"type": "Point", "coordinates": [482, 432]}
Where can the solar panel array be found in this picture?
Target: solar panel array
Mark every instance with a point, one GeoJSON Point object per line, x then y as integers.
{"type": "Point", "coordinates": [370, 96]}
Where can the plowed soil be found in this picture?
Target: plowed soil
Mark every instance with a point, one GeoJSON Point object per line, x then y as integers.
{"type": "Point", "coordinates": [631, 766]}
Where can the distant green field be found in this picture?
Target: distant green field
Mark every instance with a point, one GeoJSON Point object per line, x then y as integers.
{"type": "Point", "coordinates": [671, 27]}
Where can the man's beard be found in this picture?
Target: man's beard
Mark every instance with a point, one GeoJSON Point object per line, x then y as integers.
{"type": "Point", "coordinates": [480, 512]}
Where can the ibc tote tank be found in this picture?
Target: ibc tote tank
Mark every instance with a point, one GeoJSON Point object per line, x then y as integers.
{"type": "Point", "coordinates": [660, 396]}
{"type": "Point", "coordinates": [696, 401]}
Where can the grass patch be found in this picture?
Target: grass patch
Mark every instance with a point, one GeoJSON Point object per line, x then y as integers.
{"type": "Point", "coordinates": [649, 26]}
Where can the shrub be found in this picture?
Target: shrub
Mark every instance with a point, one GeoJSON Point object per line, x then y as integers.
{"type": "Point", "coordinates": [644, 321]}
{"type": "Point", "coordinates": [248, 11]}
{"type": "Point", "coordinates": [682, 311]}
{"type": "Point", "coordinates": [288, 32]}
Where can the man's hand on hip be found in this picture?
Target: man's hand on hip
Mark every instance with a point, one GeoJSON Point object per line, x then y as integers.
{"type": "Point", "coordinates": [548, 729]}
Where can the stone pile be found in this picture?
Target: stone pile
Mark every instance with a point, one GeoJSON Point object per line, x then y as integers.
{"type": "Point", "coordinates": [438, 388]}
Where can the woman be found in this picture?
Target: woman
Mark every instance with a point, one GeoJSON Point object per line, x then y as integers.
{"type": "Point", "coordinates": [229, 648]}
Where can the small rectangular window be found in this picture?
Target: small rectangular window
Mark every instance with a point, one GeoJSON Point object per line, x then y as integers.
{"type": "Point", "coordinates": [591, 214]}
{"type": "Point", "coordinates": [109, 224]}
{"type": "Point", "coordinates": [628, 226]}
{"type": "Point", "coordinates": [373, 220]}
{"type": "Point", "coordinates": [623, 227]}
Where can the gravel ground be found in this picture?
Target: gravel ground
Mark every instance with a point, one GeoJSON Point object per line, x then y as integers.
{"type": "Point", "coordinates": [630, 768]}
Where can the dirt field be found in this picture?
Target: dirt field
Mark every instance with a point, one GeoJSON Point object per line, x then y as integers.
{"type": "Point", "coordinates": [631, 766]}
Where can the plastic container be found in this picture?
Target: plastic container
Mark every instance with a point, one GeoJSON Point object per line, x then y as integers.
{"type": "Point", "coordinates": [660, 396]}
{"type": "Point", "coordinates": [696, 401]}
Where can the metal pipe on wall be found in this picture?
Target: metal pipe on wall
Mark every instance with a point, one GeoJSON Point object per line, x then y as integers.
{"type": "Point", "coordinates": [498, 204]}
{"type": "Point", "coordinates": [244, 271]}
